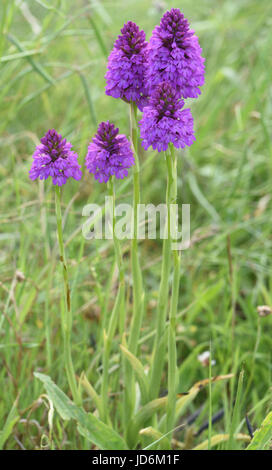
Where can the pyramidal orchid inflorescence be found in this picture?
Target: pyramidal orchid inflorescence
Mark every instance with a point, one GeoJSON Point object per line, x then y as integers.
{"type": "Point", "coordinates": [164, 121]}
{"type": "Point", "coordinates": [109, 153]}
{"type": "Point", "coordinates": [127, 66]}
{"type": "Point", "coordinates": [174, 55]}
{"type": "Point", "coordinates": [54, 157]}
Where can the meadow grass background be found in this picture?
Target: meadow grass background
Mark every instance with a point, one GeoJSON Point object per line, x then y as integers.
{"type": "Point", "coordinates": [53, 60]}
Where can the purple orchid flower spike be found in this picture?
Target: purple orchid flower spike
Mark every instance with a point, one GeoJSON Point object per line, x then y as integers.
{"type": "Point", "coordinates": [164, 121]}
{"type": "Point", "coordinates": [109, 153]}
{"type": "Point", "coordinates": [174, 55]}
{"type": "Point", "coordinates": [54, 157]}
{"type": "Point", "coordinates": [127, 66]}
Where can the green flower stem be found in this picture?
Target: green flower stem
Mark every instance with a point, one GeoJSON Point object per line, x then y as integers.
{"type": "Point", "coordinates": [48, 318]}
{"type": "Point", "coordinates": [137, 280]}
{"type": "Point", "coordinates": [172, 352]}
{"type": "Point", "coordinates": [116, 312]}
{"type": "Point", "coordinates": [138, 294]}
{"type": "Point", "coordinates": [67, 318]}
{"type": "Point", "coordinates": [160, 340]}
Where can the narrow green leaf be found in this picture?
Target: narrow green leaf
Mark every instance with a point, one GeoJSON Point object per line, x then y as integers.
{"type": "Point", "coordinates": [11, 420]}
{"type": "Point", "coordinates": [37, 67]}
{"type": "Point", "coordinates": [92, 393]}
{"type": "Point", "coordinates": [99, 36]}
{"type": "Point", "coordinates": [142, 416]}
{"type": "Point", "coordinates": [139, 372]}
{"type": "Point", "coordinates": [19, 55]}
{"type": "Point", "coordinates": [201, 198]}
{"type": "Point", "coordinates": [89, 99]}
{"type": "Point", "coordinates": [236, 411]}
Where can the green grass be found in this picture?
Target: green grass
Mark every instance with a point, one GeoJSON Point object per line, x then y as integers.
{"type": "Point", "coordinates": [52, 71]}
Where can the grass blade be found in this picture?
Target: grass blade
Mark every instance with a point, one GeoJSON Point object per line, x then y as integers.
{"type": "Point", "coordinates": [37, 67]}
{"type": "Point", "coordinates": [99, 37]}
{"type": "Point", "coordinates": [11, 420]}
{"type": "Point", "coordinates": [139, 372]}
{"type": "Point", "coordinates": [236, 411]}
{"type": "Point", "coordinates": [89, 99]}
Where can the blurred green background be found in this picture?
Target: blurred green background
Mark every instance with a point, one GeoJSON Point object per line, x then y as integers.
{"type": "Point", "coordinates": [53, 60]}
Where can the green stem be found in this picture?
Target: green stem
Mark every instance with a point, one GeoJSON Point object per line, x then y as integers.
{"type": "Point", "coordinates": [159, 344]}
{"type": "Point", "coordinates": [138, 294]}
{"type": "Point", "coordinates": [104, 311]}
{"type": "Point", "coordinates": [137, 280]}
{"type": "Point", "coordinates": [172, 351]}
{"type": "Point", "coordinates": [67, 319]}
{"type": "Point", "coordinates": [210, 399]}
{"type": "Point", "coordinates": [47, 321]}
{"type": "Point", "coordinates": [118, 305]}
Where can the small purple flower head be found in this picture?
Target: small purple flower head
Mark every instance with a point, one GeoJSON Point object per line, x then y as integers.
{"type": "Point", "coordinates": [164, 121]}
{"type": "Point", "coordinates": [54, 157]}
{"type": "Point", "coordinates": [127, 63]}
{"type": "Point", "coordinates": [109, 153]}
{"type": "Point", "coordinates": [174, 55]}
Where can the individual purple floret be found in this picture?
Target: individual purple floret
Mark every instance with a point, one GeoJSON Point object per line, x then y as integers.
{"type": "Point", "coordinates": [109, 153]}
{"type": "Point", "coordinates": [174, 55]}
{"type": "Point", "coordinates": [127, 66]}
{"type": "Point", "coordinates": [164, 121]}
{"type": "Point", "coordinates": [54, 157]}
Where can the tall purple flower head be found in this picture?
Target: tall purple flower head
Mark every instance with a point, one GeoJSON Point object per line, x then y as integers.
{"type": "Point", "coordinates": [109, 153]}
{"type": "Point", "coordinates": [174, 55]}
{"type": "Point", "coordinates": [127, 66]}
{"type": "Point", "coordinates": [54, 157]}
{"type": "Point", "coordinates": [164, 121]}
